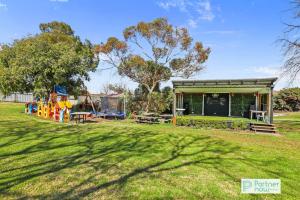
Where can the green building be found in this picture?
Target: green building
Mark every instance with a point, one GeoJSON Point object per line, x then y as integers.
{"type": "Point", "coordinates": [233, 98]}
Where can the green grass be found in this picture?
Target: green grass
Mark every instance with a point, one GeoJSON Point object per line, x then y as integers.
{"type": "Point", "coordinates": [40, 159]}
{"type": "Point", "coordinates": [289, 124]}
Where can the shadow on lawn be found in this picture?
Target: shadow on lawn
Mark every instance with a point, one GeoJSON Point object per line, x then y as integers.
{"type": "Point", "coordinates": [288, 125]}
{"type": "Point", "coordinates": [52, 149]}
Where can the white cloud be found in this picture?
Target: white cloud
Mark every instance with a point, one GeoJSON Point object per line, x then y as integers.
{"type": "Point", "coordinates": [205, 11]}
{"type": "Point", "coordinates": [180, 4]}
{"type": "Point", "coordinates": [166, 5]}
{"type": "Point", "coordinates": [268, 70]}
{"type": "Point", "coordinates": [276, 71]}
{"type": "Point", "coordinates": [196, 10]}
{"type": "Point", "coordinates": [192, 23]}
{"type": "Point", "coordinates": [3, 6]}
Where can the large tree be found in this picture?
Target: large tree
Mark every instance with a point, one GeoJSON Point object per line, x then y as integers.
{"type": "Point", "coordinates": [152, 52]}
{"type": "Point", "coordinates": [55, 56]}
{"type": "Point", "coordinates": [287, 99]}
{"type": "Point", "coordinates": [291, 44]}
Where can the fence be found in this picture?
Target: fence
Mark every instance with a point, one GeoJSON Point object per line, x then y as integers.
{"type": "Point", "coordinates": [17, 97]}
{"type": "Point", "coordinates": [28, 97]}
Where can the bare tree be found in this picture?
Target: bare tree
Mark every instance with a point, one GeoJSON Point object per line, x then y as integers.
{"type": "Point", "coordinates": [291, 44]}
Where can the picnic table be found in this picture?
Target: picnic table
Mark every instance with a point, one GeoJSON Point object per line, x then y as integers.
{"type": "Point", "coordinates": [180, 111]}
{"type": "Point", "coordinates": [151, 114]}
{"type": "Point", "coordinates": [147, 119]}
{"type": "Point", "coordinates": [166, 118]}
{"type": "Point", "coordinates": [153, 118]}
{"type": "Point", "coordinates": [262, 113]}
{"type": "Point", "coordinates": [80, 116]}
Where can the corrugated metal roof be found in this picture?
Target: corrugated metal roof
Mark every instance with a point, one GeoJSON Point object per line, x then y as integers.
{"type": "Point", "coordinates": [260, 90]}
{"type": "Point", "coordinates": [253, 82]}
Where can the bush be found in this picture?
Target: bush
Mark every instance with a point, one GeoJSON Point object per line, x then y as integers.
{"type": "Point", "coordinates": [287, 99]}
{"type": "Point", "coordinates": [161, 101]}
{"type": "Point", "coordinates": [213, 122]}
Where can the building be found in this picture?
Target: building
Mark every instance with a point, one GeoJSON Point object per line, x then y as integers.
{"type": "Point", "coordinates": [236, 97]}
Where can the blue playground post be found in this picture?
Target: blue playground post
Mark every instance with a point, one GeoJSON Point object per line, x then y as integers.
{"type": "Point", "coordinates": [30, 108]}
{"type": "Point", "coordinates": [61, 115]}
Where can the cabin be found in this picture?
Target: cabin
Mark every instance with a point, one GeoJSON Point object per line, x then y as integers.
{"type": "Point", "coordinates": [232, 98]}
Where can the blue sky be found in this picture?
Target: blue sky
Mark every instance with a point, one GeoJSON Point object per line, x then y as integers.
{"type": "Point", "coordinates": [242, 34]}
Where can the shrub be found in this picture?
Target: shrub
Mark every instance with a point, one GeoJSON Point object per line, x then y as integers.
{"type": "Point", "coordinates": [213, 122]}
{"type": "Point", "coordinates": [161, 101]}
{"type": "Point", "coordinates": [287, 99]}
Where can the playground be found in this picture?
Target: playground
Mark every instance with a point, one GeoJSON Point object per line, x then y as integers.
{"type": "Point", "coordinates": [44, 159]}
{"type": "Point", "coordinates": [57, 107]}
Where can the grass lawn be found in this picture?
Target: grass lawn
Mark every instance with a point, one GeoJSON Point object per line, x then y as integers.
{"type": "Point", "coordinates": [40, 159]}
{"type": "Point", "coordinates": [289, 124]}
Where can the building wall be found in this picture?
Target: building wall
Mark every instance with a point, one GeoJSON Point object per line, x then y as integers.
{"type": "Point", "coordinates": [240, 104]}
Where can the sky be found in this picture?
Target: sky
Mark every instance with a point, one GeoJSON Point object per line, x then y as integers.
{"type": "Point", "coordinates": [242, 34]}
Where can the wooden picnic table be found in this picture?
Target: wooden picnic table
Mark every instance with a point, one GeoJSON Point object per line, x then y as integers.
{"type": "Point", "coordinates": [146, 119]}
{"type": "Point", "coordinates": [167, 118]}
{"type": "Point", "coordinates": [149, 114]}
{"type": "Point", "coordinates": [80, 116]}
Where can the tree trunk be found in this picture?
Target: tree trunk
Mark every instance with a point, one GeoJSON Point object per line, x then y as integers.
{"type": "Point", "coordinates": [148, 101]}
{"type": "Point", "coordinates": [150, 91]}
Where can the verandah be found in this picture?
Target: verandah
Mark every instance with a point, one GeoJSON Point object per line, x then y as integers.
{"type": "Point", "coordinates": [224, 97]}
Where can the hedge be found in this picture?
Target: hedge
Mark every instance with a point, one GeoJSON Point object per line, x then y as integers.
{"type": "Point", "coordinates": [213, 122]}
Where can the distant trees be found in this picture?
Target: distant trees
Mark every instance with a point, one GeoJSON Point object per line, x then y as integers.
{"type": "Point", "coordinates": [287, 99]}
{"type": "Point", "coordinates": [152, 52]}
{"type": "Point", "coordinates": [55, 56]}
{"type": "Point", "coordinates": [291, 45]}
{"type": "Point", "coordinates": [117, 88]}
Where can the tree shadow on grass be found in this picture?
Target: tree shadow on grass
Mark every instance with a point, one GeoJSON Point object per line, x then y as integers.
{"type": "Point", "coordinates": [52, 150]}
{"type": "Point", "coordinates": [288, 125]}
